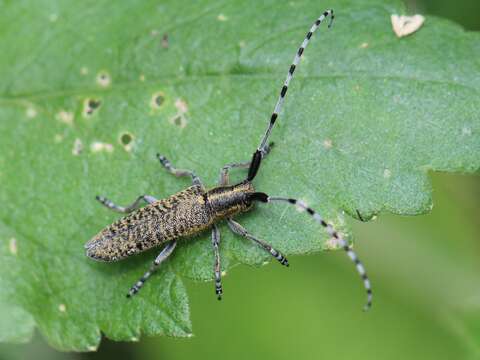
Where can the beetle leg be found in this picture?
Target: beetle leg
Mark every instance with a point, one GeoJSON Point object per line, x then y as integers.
{"type": "Point", "coordinates": [164, 254]}
{"type": "Point", "coordinates": [216, 265]}
{"type": "Point", "coordinates": [240, 230]}
{"type": "Point", "coordinates": [243, 165]}
{"type": "Point", "coordinates": [179, 172]}
{"type": "Point", "coordinates": [109, 204]}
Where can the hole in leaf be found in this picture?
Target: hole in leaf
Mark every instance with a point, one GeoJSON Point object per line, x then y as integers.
{"type": "Point", "coordinates": [90, 106]}
{"type": "Point", "coordinates": [126, 138]}
{"type": "Point", "coordinates": [179, 120]}
{"type": "Point", "coordinates": [93, 104]}
{"type": "Point", "coordinates": [157, 100]}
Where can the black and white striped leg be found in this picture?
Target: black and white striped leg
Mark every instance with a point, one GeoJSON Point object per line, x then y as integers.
{"type": "Point", "coordinates": [256, 159]}
{"type": "Point", "coordinates": [178, 172]}
{"type": "Point", "coordinates": [216, 265]}
{"type": "Point", "coordinates": [240, 230]}
{"type": "Point", "coordinates": [224, 180]}
{"type": "Point", "coordinates": [164, 254]}
{"type": "Point", "coordinates": [333, 233]}
{"type": "Point", "coordinates": [109, 204]}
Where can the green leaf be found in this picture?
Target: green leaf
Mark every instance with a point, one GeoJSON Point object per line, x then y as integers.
{"type": "Point", "coordinates": [366, 117]}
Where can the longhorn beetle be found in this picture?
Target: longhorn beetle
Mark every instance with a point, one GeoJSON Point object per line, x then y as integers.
{"type": "Point", "coordinates": [195, 209]}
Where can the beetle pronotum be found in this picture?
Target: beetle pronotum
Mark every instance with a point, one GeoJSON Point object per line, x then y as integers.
{"type": "Point", "coordinates": [195, 209]}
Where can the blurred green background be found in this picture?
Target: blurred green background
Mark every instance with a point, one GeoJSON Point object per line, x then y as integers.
{"type": "Point", "coordinates": [425, 271]}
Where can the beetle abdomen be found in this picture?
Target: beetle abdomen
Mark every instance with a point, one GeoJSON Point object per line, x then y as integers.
{"type": "Point", "coordinates": [179, 215]}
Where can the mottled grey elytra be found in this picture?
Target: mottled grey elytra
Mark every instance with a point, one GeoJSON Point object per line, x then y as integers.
{"type": "Point", "coordinates": [186, 213]}
{"type": "Point", "coordinates": [195, 209]}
